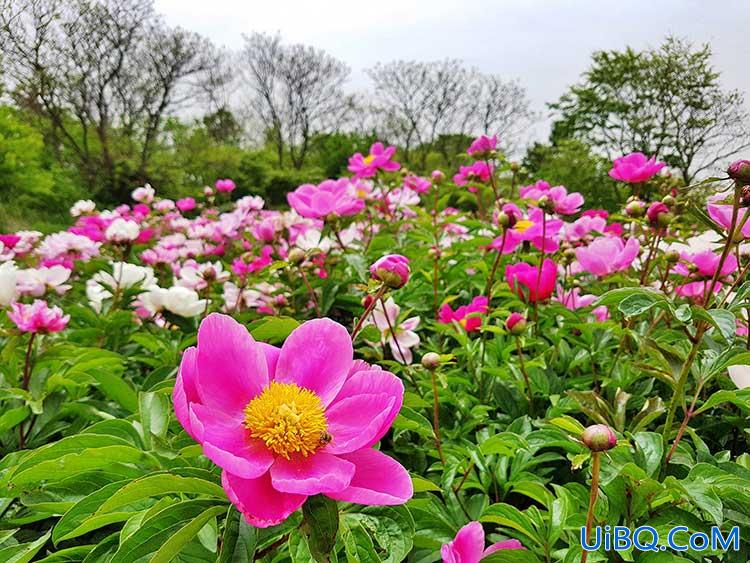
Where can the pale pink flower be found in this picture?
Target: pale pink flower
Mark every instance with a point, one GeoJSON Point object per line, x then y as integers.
{"type": "Point", "coordinates": [607, 255]}
{"type": "Point", "coordinates": [403, 338]}
{"type": "Point", "coordinates": [38, 317]}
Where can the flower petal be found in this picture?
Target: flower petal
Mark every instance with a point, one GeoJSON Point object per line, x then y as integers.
{"type": "Point", "coordinates": [373, 382]}
{"type": "Point", "coordinates": [228, 444]}
{"type": "Point", "coordinates": [261, 504]}
{"type": "Point", "coordinates": [317, 356]}
{"type": "Point", "coordinates": [355, 421]}
{"type": "Point", "coordinates": [378, 480]}
{"type": "Point", "coordinates": [232, 368]}
{"type": "Point", "coordinates": [468, 545]}
{"type": "Point", "coordinates": [184, 389]}
{"type": "Point", "coordinates": [319, 473]}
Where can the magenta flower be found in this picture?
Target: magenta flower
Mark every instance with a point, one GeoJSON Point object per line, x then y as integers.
{"type": "Point", "coordinates": [722, 215]}
{"type": "Point", "coordinates": [542, 236]}
{"type": "Point", "coordinates": [468, 316]}
{"type": "Point", "coordinates": [479, 172]}
{"type": "Point", "coordinates": [38, 317]}
{"type": "Point", "coordinates": [226, 185]}
{"type": "Point", "coordinates": [482, 145]}
{"type": "Point", "coordinates": [699, 269]}
{"type": "Point", "coordinates": [186, 204]}
{"type": "Point", "coordinates": [391, 269]}
{"type": "Point", "coordinates": [417, 184]}
{"type": "Point", "coordinates": [655, 211]}
{"type": "Point", "coordinates": [563, 203]}
{"type": "Point", "coordinates": [285, 424]}
{"type": "Point", "coordinates": [524, 280]}
{"type": "Point", "coordinates": [468, 545]}
{"type": "Point", "coordinates": [380, 158]}
{"type": "Point", "coordinates": [607, 255]}
{"type": "Point", "coordinates": [635, 167]}
{"type": "Point", "coordinates": [330, 197]}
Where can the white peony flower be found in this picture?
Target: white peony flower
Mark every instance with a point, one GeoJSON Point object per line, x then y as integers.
{"type": "Point", "coordinates": [8, 277]}
{"type": "Point", "coordinates": [122, 230]}
{"type": "Point", "coordinates": [144, 194]}
{"type": "Point", "coordinates": [82, 206]}
{"type": "Point", "coordinates": [178, 300]}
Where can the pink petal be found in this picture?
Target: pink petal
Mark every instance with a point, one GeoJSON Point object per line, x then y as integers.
{"type": "Point", "coordinates": [355, 421]}
{"type": "Point", "coordinates": [262, 505]}
{"type": "Point", "coordinates": [228, 444]}
{"type": "Point", "coordinates": [373, 382]}
{"type": "Point", "coordinates": [184, 389]}
{"type": "Point", "coordinates": [468, 546]}
{"type": "Point", "coordinates": [319, 473]}
{"type": "Point", "coordinates": [378, 480]}
{"type": "Point", "coordinates": [507, 544]}
{"type": "Point", "coordinates": [232, 368]}
{"type": "Point", "coordinates": [272, 358]}
{"type": "Point", "coordinates": [317, 356]}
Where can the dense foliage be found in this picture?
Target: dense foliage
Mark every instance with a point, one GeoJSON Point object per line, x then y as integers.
{"type": "Point", "coordinates": [138, 421]}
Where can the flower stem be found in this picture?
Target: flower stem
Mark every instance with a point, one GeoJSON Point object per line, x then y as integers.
{"type": "Point", "coordinates": [595, 469]}
{"type": "Point", "coordinates": [311, 291]}
{"type": "Point", "coordinates": [25, 385]}
{"type": "Point", "coordinates": [523, 371]}
{"type": "Point", "coordinates": [436, 416]}
{"type": "Point", "coordinates": [367, 312]}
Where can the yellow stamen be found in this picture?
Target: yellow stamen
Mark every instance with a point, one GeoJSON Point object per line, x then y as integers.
{"type": "Point", "coordinates": [522, 225]}
{"type": "Point", "coordinates": [289, 419]}
{"type": "Point", "coordinates": [463, 322]}
{"type": "Point", "coordinates": [368, 159]}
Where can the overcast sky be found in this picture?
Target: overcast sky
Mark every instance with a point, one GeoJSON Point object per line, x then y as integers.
{"type": "Point", "coordinates": [546, 44]}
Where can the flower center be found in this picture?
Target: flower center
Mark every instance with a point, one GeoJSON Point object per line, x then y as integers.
{"type": "Point", "coordinates": [368, 159]}
{"type": "Point", "coordinates": [522, 225]}
{"type": "Point", "coordinates": [289, 420]}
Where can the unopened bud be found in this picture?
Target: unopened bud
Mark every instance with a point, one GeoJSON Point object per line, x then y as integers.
{"type": "Point", "coordinates": [516, 324]}
{"type": "Point", "coordinates": [296, 255]}
{"type": "Point", "coordinates": [599, 438]}
{"type": "Point", "coordinates": [503, 219]}
{"type": "Point", "coordinates": [668, 200]}
{"type": "Point", "coordinates": [515, 166]}
{"type": "Point", "coordinates": [635, 209]}
{"type": "Point", "coordinates": [431, 361]}
{"type": "Point", "coordinates": [739, 171]}
{"type": "Point", "coordinates": [672, 256]}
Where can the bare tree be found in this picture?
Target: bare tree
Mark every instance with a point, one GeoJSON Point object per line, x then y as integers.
{"type": "Point", "coordinates": [296, 91]}
{"type": "Point", "coordinates": [103, 74]}
{"type": "Point", "coordinates": [435, 105]}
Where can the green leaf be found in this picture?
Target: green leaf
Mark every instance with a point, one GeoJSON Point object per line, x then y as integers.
{"type": "Point", "coordinates": [239, 540]}
{"type": "Point", "coordinates": [740, 397]}
{"type": "Point", "coordinates": [186, 534]}
{"type": "Point", "coordinates": [511, 556]}
{"type": "Point", "coordinates": [160, 484]}
{"type": "Point", "coordinates": [77, 521]}
{"type": "Point", "coordinates": [723, 320]}
{"type": "Point", "coordinates": [569, 424]}
{"type": "Point", "coordinates": [13, 417]}
{"type": "Point", "coordinates": [154, 409]}
{"type": "Point", "coordinates": [649, 452]}
{"type": "Point", "coordinates": [272, 329]}
{"type": "Point", "coordinates": [510, 517]}
{"type": "Point", "coordinates": [152, 533]}
{"type": "Point", "coordinates": [322, 520]}
{"type": "Point", "coordinates": [23, 552]}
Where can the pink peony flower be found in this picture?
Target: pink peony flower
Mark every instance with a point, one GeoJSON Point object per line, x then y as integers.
{"type": "Point", "coordinates": [655, 210]}
{"type": "Point", "coordinates": [330, 197]}
{"type": "Point", "coordinates": [635, 168]}
{"type": "Point", "coordinates": [699, 269]}
{"type": "Point", "coordinates": [524, 280]}
{"type": "Point", "coordinates": [380, 158]}
{"type": "Point", "coordinates": [186, 204]}
{"type": "Point", "coordinates": [481, 146]}
{"type": "Point", "coordinates": [563, 203]}
{"type": "Point", "coordinates": [226, 185]}
{"type": "Point", "coordinates": [417, 184]}
{"type": "Point", "coordinates": [468, 545]}
{"type": "Point", "coordinates": [606, 255]}
{"type": "Point", "coordinates": [722, 216]}
{"type": "Point", "coordinates": [479, 172]}
{"type": "Point", "coordinates": [38, 317]}
{"type": "Point", "coordinates": [528, 229]}
{"type": "Point", "coordinates": [391, 269]}
{"type": "Point", "coordinates": [285, 424]}
{"type": "Point", "coordinates": [468, 316]}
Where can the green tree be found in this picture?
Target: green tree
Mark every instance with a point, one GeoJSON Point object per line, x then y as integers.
{"type": "Point", "coordinates": [666, 102]}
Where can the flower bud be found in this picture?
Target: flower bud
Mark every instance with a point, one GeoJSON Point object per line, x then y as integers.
{"type": "Point", "coordinates": [503, 219]}
{"type": "Point", "coordinates": [665, 219]}
{"type": "Point", "coordinates": [392, 270]}
{"type": "Point", "coordinates": [668, 200]}
{"type": "Point", "coordinates": [296, 256]}
{"type": "Point", "coordinates": [438, 176]}
{"type": "Point", "coordinates": [546, 204]}
{"type": "Point", "coordinates": [515, 166]}
{"type": "Point", "coordinates": [431, 361]}
{"type": "Point", "coordinates": [659, 215]}
{"type": "Point", "coordinates": [635, 209]}
{"type": "Point", "coordinates": [599, 438]}
{"type": "Point", "coordinates": [739, 171]}
{"type": "Point", "coordinates": [672, 256]}
{"type": "Point", "coordinates": [745, 196]}
{"type": "Point", "coordinates": [516, 324]}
